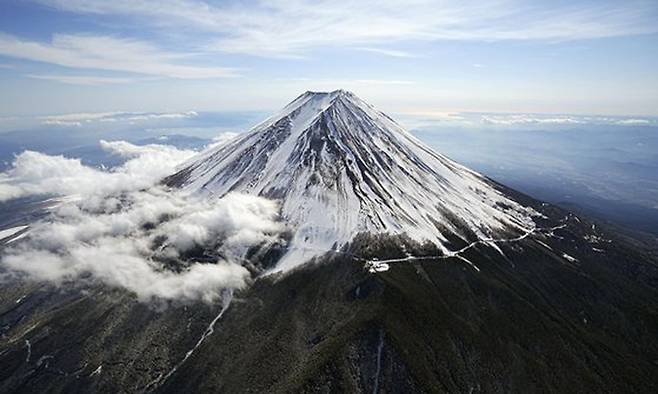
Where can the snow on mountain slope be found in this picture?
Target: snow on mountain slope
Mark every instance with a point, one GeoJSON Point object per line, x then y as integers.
{"type": "Point", "coordinates": [339, 167]}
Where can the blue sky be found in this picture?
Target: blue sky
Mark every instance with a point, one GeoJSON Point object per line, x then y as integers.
{"type": "Point", "coordinates": [416, 57]}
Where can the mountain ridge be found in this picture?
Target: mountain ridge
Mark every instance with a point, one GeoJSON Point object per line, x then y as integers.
{"type": "Point", "coordinates": [340, 167]}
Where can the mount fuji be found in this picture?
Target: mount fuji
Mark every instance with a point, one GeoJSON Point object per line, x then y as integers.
{"type": "Point", "coordinates": [339, 168]}
{"type": "Point", "coordinates": [398, 271]}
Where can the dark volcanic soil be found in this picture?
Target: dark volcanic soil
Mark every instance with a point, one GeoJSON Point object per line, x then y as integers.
{"type": "Point", "coordinates": [528, 321]}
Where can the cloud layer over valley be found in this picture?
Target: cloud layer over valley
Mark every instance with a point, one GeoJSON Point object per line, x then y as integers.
{"type": "Point", "coordinates": [124, 230]}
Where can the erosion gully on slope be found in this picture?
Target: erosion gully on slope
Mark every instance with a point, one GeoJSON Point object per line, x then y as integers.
{"type": "Point", "coordinates": [227, 297]}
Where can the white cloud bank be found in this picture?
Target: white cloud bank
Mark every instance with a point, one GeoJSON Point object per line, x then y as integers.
{"type": "Point", "coordinates": [126, 232]}
{"type": "Point", "coordinates": [222, 139]}
{"type": "Point", "coordinates": [37, 173]}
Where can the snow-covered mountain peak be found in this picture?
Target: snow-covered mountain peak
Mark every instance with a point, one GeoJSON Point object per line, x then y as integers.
{"type": "Point", "coordinates": [331, 95]}
{"type": "Point", "coordinates": [339, 167]}
{"type": "Point", "coordinates": [306, 108]}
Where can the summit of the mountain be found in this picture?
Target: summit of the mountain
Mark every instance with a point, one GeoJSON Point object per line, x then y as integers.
{"type": "Point", "coordinates": [340, 167]}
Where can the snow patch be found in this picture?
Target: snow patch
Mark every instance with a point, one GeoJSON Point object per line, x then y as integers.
{"type": "Point", "coordinates": [375, 266]}
{"type": "Point", "coordinates": [571, 259]}
{"type": "Point", "coordinates": [97, 371]}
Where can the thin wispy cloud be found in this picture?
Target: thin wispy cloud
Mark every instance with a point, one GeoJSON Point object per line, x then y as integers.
{"type": "Point", "coordinates": [634, 122]}
{"type": "Point", "coordinates": [388, 52]}
{"type": "Point", "coordinates": [78, 119]}
{"type": "Point", "coordinates": [255, 29]}
{"type": "Point", "coordinates": [108, 53]}
{"type": "Point", "coordinates": [382, 82]}
{"type": "Point", "coordinates": [87, 80]}
{"type": "Point", "coordinates": [530, 119]}
{"type": "Point", "coordinates": [328, 83]}
{"type": "Point", "coordinates": [520, 120]}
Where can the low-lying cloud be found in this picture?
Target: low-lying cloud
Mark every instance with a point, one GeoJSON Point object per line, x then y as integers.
{"type": "Point", "coordinates": [79, 119]}
{"type": "Point", "coordinates": [126, 231]}
{"type": "Point", "coordinates": [535, 119]}
{"type": "Point", "coordinates": [34, 173]}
